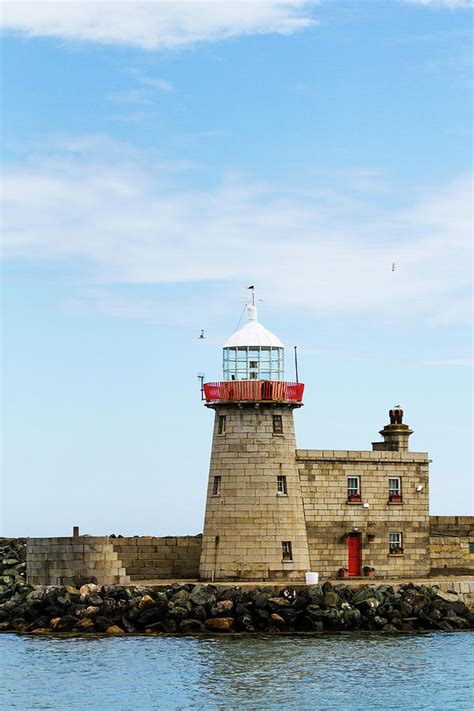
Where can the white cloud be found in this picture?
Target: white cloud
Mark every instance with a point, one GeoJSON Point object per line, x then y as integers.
{"type": "Point", "coordinates": [450, 4]}
{"type": "Point", "coordinates": [155, 24]}
{"type": "Point", "coordinates": [125, 218]}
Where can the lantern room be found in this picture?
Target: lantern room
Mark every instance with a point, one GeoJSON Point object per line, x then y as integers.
{"type": "Point", "coordinates": [253, 352]}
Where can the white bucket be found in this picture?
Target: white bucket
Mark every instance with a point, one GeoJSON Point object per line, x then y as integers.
{"type": "Point", "coordinates": [312, 578]}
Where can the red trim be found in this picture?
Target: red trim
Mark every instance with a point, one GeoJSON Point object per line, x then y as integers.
{"type": "Point", "coordinates": [253, 391]}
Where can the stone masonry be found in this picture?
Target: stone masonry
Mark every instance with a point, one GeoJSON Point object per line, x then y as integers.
{"type": "Point", "coordinates": [452, 545]}
{"type": "Point", "coordinates": [111, 561]}
{"type": "Point", "coordinates": [330, 516]}
{"type": "Point", "coordinates": [247, 519]}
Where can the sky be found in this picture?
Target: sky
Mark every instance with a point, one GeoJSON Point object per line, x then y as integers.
{"type": "Point", "coordinates": [158, 158]}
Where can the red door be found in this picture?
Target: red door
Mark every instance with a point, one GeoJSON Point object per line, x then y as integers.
{"type": "Point", "coordinates": [354, 554]}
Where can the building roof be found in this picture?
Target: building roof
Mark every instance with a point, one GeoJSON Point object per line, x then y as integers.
{"type": "Point", "coordinates": [253, 334]}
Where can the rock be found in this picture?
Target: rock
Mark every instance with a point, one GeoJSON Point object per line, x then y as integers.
{"type": "Point", "coordinates": [85, 624]}
{"type": "Point", "coordinates": [315, 594]}
{"type": "Point", "coordinates": [145, 601]}
{"type": "Point", "coordinates": [331, 599]}
{"type": "Point", "coordinates": [277, 620]}
{"type": "Point", "coordinates": [150, 615]}
{"type": "Point", "coordinates": [102, 623]}
{"type": "Point", "coordinates": [191, 626]}
{"type": "Point", "coordinates": [178, 613]}
{"type": "Point", "coordinates": [202, 596]}
{"type": "Point", "coordinates": [219, 624]}
{"type": "Point", "coordinates": [67, 623]}
{"type": "Point", "coordinates": [447, 596]}
{"type": "Point", "coordinates": [114, 629]}
{"type": "Point", "coordinates": [276, 603]}
{"type": "Point", "coordinates": [369, 603]}
{"type": "Point", "coordinates": [89, 589]}
{"type": "Point", "coordinates": [180, 597]}
{"type": "Point", "coordinates": [222, 608]}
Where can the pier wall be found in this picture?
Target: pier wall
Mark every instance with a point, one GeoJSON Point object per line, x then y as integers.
{"type": "Point", "coordinates": [111, 561]}
{"type": "Point", "coordinates": [452, 545]}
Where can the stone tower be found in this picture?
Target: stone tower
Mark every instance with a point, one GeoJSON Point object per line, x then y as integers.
{"type": "Point", "coordinates": [254, 526]}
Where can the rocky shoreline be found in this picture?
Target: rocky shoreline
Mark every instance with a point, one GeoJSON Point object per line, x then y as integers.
{"type": "Point", "coordinates": [198, 608]}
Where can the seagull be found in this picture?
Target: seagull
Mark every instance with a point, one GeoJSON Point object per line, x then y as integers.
{"type": "Point", "coordinates": [202, 335]}
{"type": "Point", "coordinates": [393, 267]}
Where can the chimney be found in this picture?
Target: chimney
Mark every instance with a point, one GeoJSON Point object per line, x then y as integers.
{"type": "Point", "coordinates": [395, 434]}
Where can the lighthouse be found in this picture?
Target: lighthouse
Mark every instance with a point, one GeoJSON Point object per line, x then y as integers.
{"type": "Point", "coordinates": [254, 526]}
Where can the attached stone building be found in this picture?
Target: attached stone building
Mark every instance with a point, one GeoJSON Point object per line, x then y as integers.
{"type": "Point", "coordinates": [275, 512]}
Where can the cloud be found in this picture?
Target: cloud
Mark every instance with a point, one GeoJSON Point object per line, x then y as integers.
{"type": "Point", "coordinates": [116, 216]}
{"type": "Point", "coordinates": [450, 4]}
{"type": "Point", "coordinates": [155, 25]}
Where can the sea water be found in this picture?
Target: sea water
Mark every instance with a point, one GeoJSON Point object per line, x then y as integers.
{"type": "Point", "coordinates": [346, 671]}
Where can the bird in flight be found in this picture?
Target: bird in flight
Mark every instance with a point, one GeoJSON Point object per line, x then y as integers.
{"type": "Point", "coordinates": [202, 335]}
{"type": "Point", "coordinates": [393, 266]}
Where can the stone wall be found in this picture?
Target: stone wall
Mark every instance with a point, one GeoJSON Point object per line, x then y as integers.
{"type": "Point", "coordinates": [247, 518]}
{"type": "Point", "coordinates": [150, 558]}
{"type": "Point", "coordinates": [111, 561]}
{"type": "Point", "coordinates": [52, 561]}
{"type": "Point", "coordinates": [329, 515]}
{"type": "Point", "coordinates": [451, 541]}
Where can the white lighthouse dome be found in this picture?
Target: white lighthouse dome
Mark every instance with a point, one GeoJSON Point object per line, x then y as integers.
{"type": "Point", "coordinates": [253, 334]}
{"type": "Point", "coordinates": [253, 352]}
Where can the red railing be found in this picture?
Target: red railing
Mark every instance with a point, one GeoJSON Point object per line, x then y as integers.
{"type": "Point", "coordinates": [253, 391]}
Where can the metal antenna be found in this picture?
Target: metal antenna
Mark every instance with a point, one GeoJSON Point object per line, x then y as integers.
{"type": "Point", "coordinates": [201, 377]}
{"type": "Point", "coordinates": [296, 363]}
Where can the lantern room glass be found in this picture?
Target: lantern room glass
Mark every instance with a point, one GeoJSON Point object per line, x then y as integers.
{"type": "Point", "coordinates": [253, 363]}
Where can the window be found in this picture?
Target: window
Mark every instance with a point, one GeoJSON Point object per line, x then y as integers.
{"type": "Point", "coordinates": [286, 552]}
{"type": "Point", "coordinates": [353, 488]}
{"type": "Point", "coordinates": [471, 547]}
{"type": "Point", "coordinates": [277, 424]}
{"type": "Point", "coordinates": [221, 424]}
{"type": "Point", "coordinates": [395, 489]}
{"type": "Point", "coordinates": [216, 486]}
{"type": "Point", "coordinates": [395, 543]}
{"type": "Point", "coordinates": [281, 485]}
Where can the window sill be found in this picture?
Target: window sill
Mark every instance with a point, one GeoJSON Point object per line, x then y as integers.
{"type": "Point", "coordinates": [354, 503]}
{"type": "Point", "coordinates": [277, 434]}
{"type": "Point", "coordinates": [288, 562]}
{"type": "Point", "coordinates": [280, 493]}
{"type": "Point", "coordinates": [216, 496]}
{"type": "Point", "coordinates": [395, 503]}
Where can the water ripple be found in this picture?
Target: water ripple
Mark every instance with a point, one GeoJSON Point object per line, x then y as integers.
{"type": "Point", "coordinates": [336, 672]}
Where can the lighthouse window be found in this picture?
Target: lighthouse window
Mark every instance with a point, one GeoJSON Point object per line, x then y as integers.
{"type": "Point", "coordinates": [277, 424]}
{"type": "Point", "coordinates": [281, 485]}
{"type": "Point", "coordinates": [216, 486]}
{"type": "Point", "coordinates": [286, 552]}
{"type": "Point", "coordinates": [221, 424]}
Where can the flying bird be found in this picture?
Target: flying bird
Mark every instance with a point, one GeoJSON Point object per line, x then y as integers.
{"type": "Point", "coordinates": [393, 267]}
{"type": "Point", "coordinates": [202, 335]}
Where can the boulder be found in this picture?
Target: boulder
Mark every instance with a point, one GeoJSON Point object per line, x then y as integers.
{"type": "Point", "coordinates": [191, 626]}
{"type": "Point", "coordinates": [114, 629]}
{"type": "Point", "coordinates": [219, 624]}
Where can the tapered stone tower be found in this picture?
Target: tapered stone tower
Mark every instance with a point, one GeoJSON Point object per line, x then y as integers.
{"type": "Point", "coordinates": [254, 527]}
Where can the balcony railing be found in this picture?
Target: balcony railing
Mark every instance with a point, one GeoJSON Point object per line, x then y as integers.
{"type": "Point", "coordinates": [253, 391]}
